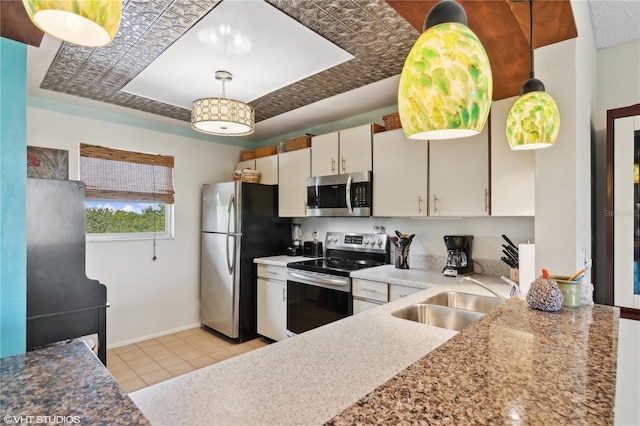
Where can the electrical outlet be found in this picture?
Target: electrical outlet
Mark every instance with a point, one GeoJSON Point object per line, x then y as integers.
{"type": "Point", "coordinates": [586, 262]}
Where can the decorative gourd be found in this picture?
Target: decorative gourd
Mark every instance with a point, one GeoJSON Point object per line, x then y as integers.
{"type": "Point", "coordinates": [544, 294]}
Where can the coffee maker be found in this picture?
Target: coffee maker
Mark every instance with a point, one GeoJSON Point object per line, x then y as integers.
{"type": "Point", "coordinates": [459, 260]}
{"type": "Point", "coordinates": [295, 249]}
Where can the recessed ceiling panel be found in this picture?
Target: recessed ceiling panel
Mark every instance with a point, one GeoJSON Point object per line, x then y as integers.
{"type": "Point", "coordinates": [262, 47]}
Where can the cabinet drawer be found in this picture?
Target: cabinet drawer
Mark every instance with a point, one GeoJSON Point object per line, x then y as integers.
{"type": "Point", "coordinates": [272, 272]}
{"type": "Point", "coordinates": [372, 290]}
{"type": "Point", "coordinates": [398, 291]}
{"type": "Point", "coordinates": [363, 305]}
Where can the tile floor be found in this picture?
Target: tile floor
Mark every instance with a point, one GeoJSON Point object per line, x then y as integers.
{"type": "Point", "coordinates": [152, 361]}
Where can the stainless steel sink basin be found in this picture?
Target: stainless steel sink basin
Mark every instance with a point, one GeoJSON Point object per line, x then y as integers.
{"type": "Point", "coordinates": [467, 301]}
{"type": "Point", "coordinates": [438, 316]}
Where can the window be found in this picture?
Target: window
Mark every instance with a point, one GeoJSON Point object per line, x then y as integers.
{"type": "Point", "coordinates": [129, 194]}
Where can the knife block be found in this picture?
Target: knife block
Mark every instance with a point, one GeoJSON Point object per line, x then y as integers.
{"type": "Point", "coordinates": [514, 275]}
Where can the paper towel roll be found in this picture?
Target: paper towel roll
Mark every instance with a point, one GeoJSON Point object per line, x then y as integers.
{"type": "Point", "coordinates": [527, 264]}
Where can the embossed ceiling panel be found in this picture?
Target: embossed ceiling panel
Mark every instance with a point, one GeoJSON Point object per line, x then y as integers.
{"type": "Point", "coordinates": [371, 30]}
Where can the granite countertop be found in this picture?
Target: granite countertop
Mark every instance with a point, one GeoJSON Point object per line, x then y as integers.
{"type": "Point", "coordinates": [516, 363]}
{"type": "Point", "coordinates": [65, 382]}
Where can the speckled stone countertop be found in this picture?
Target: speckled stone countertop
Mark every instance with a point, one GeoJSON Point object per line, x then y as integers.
{"type": "Point", "coordinates": [376, 368]}
{"type": "Point", "coordinates": [281, 260]}
{"type": "Point", "coordinates": [65, 382]}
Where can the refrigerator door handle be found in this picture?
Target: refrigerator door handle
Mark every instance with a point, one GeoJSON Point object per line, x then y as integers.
{"type": "Point", "coordinates": [231, 265]}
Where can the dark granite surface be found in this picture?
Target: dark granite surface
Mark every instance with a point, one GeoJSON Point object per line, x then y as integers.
{"type": "Point", "coordinates": [517, 366]}
{"type": "Point", "coordinates": [63, 384]}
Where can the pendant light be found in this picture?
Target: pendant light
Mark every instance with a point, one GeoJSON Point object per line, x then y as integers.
{"type": "Point", "coordinates": [446, 83]}
{"type": "Point", "coordinates": [534, 120]}
{"type": "Point", "coordinates": [222, 116]}
{"type": "Point", "coordinates": [91, 23]}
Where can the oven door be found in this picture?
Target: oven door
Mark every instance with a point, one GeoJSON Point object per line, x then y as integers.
{"type": "Point", "coordinates": [315, 299]}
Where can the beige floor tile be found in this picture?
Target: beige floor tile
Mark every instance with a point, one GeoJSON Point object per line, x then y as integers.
{"type": "Point", "coordinates": [123, 376]}
{"type": "Point", "coordinates": [188, 356]}
{"type": "Point", "coordinates": [184, 333]}
{"type": "Point", "coordinates": [178, 369]}
{"type": "Point", "coordinates": [113, 359]}
{"type": "Point", "coordinates": [222, 355]}
{"type": "Point", "coordinates": [165, 353]}
{"type": "Point", "coordinates": [124, 349]}
{"type": "Point", "coordinates": [147, 343]}
{"type": "Point", "coordinates": [133, 385]}
{"type": "Point", "coordinates": [257, 343]}
{"type": "Point", "coordinates": [192, 338]}
{"type": "Point", "coordinates": [166, 338]}
{"type": "Point", "coordinates": [156, 377]}
{"type": "Point", "coordinates": [147, 368]}
{"type": "Point", "coordinates": [128, 356]}
{"type": "Point", "coordinates": [176, 343]}
{"type": "Point", "coordinates": [202, 361]}
{"type": "Point", "coordinates": [150, 350]}
{"type": "Point", "coordinates": [207, 348]}
{"type": "Point", "coordinates": [240, 348]}
{"type": "Point", "coordinates": [168, 362]}
{"type": "Point", "coordinates": [116, 368]}
{"type": "Point", "coordinates": [183, 349]}
{"type": "Point", "coordinates": [139, 362]}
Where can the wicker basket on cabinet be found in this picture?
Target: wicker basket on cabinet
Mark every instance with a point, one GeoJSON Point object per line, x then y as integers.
{"type": "Point", "coordinates": [298, 142]}
{"type": "Point", "coordinates": [266, 151]}
{"type": "Point", "coordinates": [247, 155]}
{"type": "Point", "coordinates": [246, 175]}
{"type": "Point", "coordinates": [392, 121]}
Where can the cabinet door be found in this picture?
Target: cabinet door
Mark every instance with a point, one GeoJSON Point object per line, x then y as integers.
{"type": "Point", "coordinates": [324, 154]}
{"type": "Point", "coordinates": [363, 305]}
{"type": "Point", "coordinates": [400, 173]}
{"type": "Point", "coordinates": [268, 167]}
{"type": "Point", "coordinates": [399, 291]}
{"type": "Point", "coordinates": [248, 164]}
{"type": "Point", "coordinates": [272, 309]}
{"type": "Point", "coordinates": [355, 149]}
{"type": "Point", "coordinates": [459, 176]}
{"type": "Point", "coordinates": [293, 171]}
{"type": "Point", "coordinates": [513, 173]}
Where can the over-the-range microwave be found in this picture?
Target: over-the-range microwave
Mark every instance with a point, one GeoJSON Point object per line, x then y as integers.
{"type": "Point", "coordinates": [340, 195]}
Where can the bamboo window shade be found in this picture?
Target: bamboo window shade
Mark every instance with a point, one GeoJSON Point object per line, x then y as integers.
{"type": "Point", "coordinates": [114, 174]}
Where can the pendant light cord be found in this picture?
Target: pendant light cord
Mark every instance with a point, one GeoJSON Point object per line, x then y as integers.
{"type": "Point", "coordinates": [531, 72]}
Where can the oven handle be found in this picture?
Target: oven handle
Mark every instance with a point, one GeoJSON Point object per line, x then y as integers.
{"type": "Point", "coordinates": [348, 195]}
{"type": "Point", "coordinates": [319, 280]}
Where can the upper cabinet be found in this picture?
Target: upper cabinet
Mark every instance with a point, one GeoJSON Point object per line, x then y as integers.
{"type": "Point", "coordinates": [400, 174]}
{"type": "Point", "coordinates": [268, 167]}
{"type": "Point", "coordinates": [346, 151]}
{"type": "Point", "coordinates": [513, 173]}
{"type": "Point", "coordinates": [459, 176]}
{"type": "Point", "coordinates": [293, 171]}
{"type": "Point", "coordinates": [247, 164]}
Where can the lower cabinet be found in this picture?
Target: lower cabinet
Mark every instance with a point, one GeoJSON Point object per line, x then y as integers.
{"type": "Point", "coordinates": [369, 294]}
{"type": "Point", "coordinates": [272, 301]}
{"type": "Point", "coordinates": [399, 291]}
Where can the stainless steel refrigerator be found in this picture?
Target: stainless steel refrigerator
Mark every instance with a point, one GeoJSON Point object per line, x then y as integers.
{"type": "Point", "coordinates": [239, 223]}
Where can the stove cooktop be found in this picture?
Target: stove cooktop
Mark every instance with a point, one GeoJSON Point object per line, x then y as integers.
{"type": "Point", "coordinates": [334, 265]}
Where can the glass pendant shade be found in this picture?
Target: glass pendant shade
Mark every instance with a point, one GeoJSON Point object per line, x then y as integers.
{"type": "Point", "coordinates": [533, 121]}
{"type": "Point", "coordinates": [446, 84]}
{"type": "Point", "coordinates": [222, 117]}
{"type": "Point", "coordinates": [91, 23]}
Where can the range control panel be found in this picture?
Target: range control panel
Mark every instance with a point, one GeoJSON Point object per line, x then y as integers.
{"type": "Point", "coordinates": [357, 242]}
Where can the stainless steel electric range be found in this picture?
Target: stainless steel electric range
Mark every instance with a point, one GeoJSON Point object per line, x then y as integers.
{"type": "Point", "coordinates": [319, 290]}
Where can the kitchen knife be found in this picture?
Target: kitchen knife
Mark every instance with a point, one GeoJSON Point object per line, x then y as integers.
{"type": "Point", "coordinates": [510, 249]}
{"type": "Point", "coordinates": [510, 256]}
{"type": "Point", "coordinates": [507, 261]}
{"type": "Point", "coordinates": [509, 242]}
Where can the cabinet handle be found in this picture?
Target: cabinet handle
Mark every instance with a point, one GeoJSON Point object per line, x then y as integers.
{"type": "Point", "coordinates": [435, 204]}
{"type": "Point", "coordinates": [333, 165]}
{"type": "Point", "coordinates": [344, 165]}
{"type": "Point", "coordinates": [420, 200]}
{"type": "Point", "coordinates": [272, 273]}
{"type": "Point", "coordinates": [284, 294]}
{"type": "Point", "coordinates": [367, 290]}
{"type": "Point", "coordinates": [486, 200]}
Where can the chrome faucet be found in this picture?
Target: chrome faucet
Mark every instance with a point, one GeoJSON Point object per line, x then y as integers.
{"type": "Point", "coordinates": [514, 287]}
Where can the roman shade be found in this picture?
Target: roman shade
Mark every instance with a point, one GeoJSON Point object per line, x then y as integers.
{"type": "Point", "coordinates": [114, 174]}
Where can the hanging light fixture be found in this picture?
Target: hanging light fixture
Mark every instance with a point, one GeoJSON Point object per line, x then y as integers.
{"type": "Point", "coordinates": [534, 120]}
{"type": "Point", "coordinates": [222, 116]}
{"type": "Point", "coordinates": [446, 83]}
{"type": "Point", "coordinates": [91, 23]}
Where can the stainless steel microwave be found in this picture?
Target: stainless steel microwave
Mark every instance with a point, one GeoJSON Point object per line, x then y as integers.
{"type": "Point", "coordinates": [339, 195]}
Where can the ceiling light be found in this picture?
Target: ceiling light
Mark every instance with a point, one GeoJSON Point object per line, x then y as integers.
{"type": "Point", "coordinates": [446, 83]}
{"type": "Point", "coordinates": [534, 120]}
{"type": "Point", "coordinates": [85, 23]}
{"type": "Point", "coordinates": [222, 116]}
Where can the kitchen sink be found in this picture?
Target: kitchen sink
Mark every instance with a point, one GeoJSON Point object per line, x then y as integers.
{"type": "Point", "coordinates": [438, 316]}
{"type": "Point", "coordinates": [467, 301]}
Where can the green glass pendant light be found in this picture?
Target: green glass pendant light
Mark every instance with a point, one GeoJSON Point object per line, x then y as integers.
{"type": "Point", "coordinates": [446, 83]}
{"type": "Point", "coordinates": [91, 23]}
{"type": "Point", "coordinates": [534, 120]}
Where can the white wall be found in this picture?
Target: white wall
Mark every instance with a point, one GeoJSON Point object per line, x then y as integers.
{"type": "Point", "coordinates": [147, 297]}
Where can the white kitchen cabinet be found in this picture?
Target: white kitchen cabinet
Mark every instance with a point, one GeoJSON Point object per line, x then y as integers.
{"type": "Point", "coordinates": [368, 294]}
{"type": "Point", "coordinates": [513, 173]}
{"type": "Point", "coordinates": [400, 169]}
{"type": "Point", "coordinates": [459, 176]}
{"type": "Point", "coordinates": [272, 301]}
{"type": "Point", "coordinates": [268, 167]}
{"type": "Point", "coordinates": [397, 291]}
{"type": "Point", "coordinates": [247, 164]}
{"type": "Point", "coordinates": [346, 151]}
{"type": "Point", "coordinates": [293, 170]}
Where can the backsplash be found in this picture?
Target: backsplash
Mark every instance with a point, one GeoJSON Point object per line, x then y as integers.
{"type": "Point", "coordinates": [436, 263]}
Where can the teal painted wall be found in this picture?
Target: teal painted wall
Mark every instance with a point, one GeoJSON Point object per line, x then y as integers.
{"type": "Point", "coordinates": [13, 185]}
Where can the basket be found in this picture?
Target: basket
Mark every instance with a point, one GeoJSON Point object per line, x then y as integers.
{"type": "Point", "coordinates": [392, 121]}
{"type": "Point", "coordinates": [247, 155]}
{"type": "Point", "coordinates": [246, 175]}
{"type": "Point", "coordinates": [263, 152]}
{"type": "Point", "coordinates": [298, 142]}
